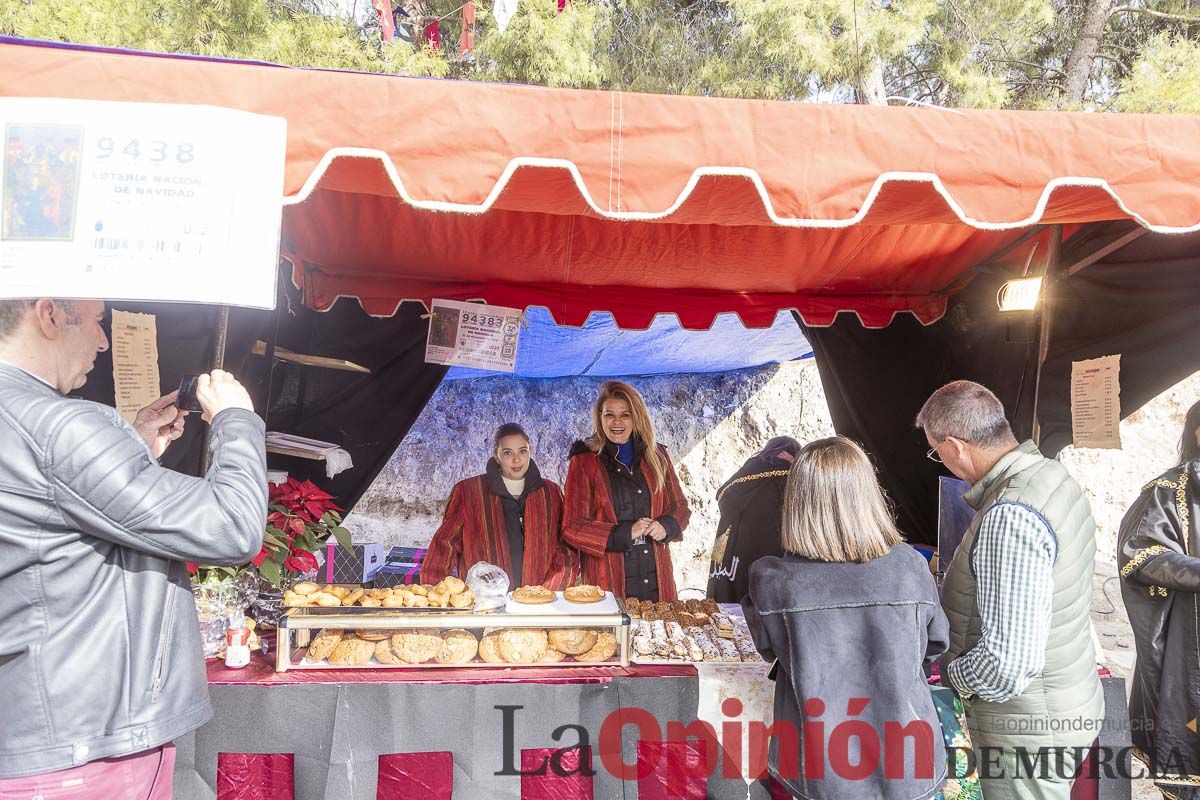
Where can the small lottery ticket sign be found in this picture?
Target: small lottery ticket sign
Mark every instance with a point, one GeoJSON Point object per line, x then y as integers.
{"type": "Point", "coordinates": [473, 335]}
{"type": "Point", "coordinates": [139, 201]}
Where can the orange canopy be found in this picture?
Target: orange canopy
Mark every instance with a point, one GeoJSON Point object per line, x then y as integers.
{"type": "Point", "coordinates": [404, 188]}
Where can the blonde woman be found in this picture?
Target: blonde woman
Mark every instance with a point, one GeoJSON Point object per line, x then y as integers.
{"type": "Point", "coordinates": [623, 504]}
{"type": "Point", "coordinates": [850, 616]}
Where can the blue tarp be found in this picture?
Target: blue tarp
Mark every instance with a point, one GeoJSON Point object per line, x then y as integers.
{"type": "Point", "coordinates": [600, 348]}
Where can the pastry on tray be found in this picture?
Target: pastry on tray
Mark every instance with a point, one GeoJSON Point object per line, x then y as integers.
{"type": "Point", "coordinates": [523, 645]}
{"type": "Point", "coordinates": [459, 646]}
{"type": "Point", "coordinates": [416, 646]}
{"type": "Point", "coordinates": [489, 647]}
{"type": "Point", "coordinates": [572, 641]}
{"type": "Point", "coordinates": [584, 594]}
{"type": "Point", "coordinates": [534, 595]}
{"type": "Point", "coordinates": [352, 652]}
{"type": "Point", "coordinates": [323, 644]}
{"type": "Point", "coordinates": [603, 650]}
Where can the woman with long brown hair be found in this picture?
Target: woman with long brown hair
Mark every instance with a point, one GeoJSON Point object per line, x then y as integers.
{"type": "Point", "coordinates": [850, 617]}
{"type": "Point", "coordinates": [623, 504]}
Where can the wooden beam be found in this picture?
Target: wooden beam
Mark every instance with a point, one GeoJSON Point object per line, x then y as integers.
{"type": "Point", "coordinates": [1108, 249]}
{"type": "Point", "coordinates": [260, 348]}
{"type": "Point", "coordinates": [1053, 254]}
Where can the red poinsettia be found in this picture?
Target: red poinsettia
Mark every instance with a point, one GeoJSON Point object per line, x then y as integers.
{"type": "Point", "coordinates": [301, 518]}
{"type": "Point", "coordinates": [303, 498]}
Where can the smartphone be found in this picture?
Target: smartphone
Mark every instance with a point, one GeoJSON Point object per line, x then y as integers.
{"type": "Point", "coordinates": [187, 394]}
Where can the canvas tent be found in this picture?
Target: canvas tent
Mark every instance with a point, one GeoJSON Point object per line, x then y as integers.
{"type": "Point", "coordinates": [404, 189]}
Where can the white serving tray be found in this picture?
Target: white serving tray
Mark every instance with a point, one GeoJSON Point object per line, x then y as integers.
{"type": "Point", "coordinates": [564, 607]}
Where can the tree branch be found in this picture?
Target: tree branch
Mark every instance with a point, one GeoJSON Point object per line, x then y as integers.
{"type": "Point", "coordinates": [1156, 14]}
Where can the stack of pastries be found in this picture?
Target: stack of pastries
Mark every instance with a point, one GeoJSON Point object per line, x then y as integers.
{"type": "Point", "coordinates": [692, 630]}
{"type": "Point", "coordinates": [458, 646]}
{"type": "Point", "coordinates": [449, 593]}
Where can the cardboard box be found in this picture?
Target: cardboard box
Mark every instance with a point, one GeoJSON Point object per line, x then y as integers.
{"type": "Point", "coordinates": [402, 566]}
{"type": "Point", "coordinates": [341, 566]}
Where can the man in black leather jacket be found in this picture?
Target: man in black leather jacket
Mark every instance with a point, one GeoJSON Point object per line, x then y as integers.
{"type": "Point", "coordinates": [100, 657]}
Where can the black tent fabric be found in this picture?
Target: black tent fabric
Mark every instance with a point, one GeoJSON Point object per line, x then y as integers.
{"type": "Point", "coordinates": [187, 337]}
{"type": "Point", "coordinates": [1140, 302]}
{"type": "Point", "coordinates": [366, 414]}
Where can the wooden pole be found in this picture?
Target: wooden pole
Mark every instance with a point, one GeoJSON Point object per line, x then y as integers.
{"type": "Point", "coordinates": [1049, 276]}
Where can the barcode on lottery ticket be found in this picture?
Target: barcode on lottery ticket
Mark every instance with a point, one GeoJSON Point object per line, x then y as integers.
{"type": "Point", "coordinates": [115, 244]}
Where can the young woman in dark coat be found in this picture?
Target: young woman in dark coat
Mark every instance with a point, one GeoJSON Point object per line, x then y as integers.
{"type": "Point", "coordinates": [623, 503]}
{"type": "Point", "coordinates": [751, 524]}
{"type": "Point", "coordinates": [850, 616]}
{"type": "Point", "coordinates": [509, 516]}
{"type": "Point", "coordinates": [1158, 552]}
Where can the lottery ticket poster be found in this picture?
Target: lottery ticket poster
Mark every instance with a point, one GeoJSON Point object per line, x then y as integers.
{"type": "Point", "coordinates": [473, 335]}
{"type": "Point", "coordinates": [139, 201]}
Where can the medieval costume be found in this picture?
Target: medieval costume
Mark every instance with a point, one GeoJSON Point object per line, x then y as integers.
{"type": "Point", "coordinates": [751, 525]}
{"type": "Point", "coordinates": [606, 492]}
{"type": "Point", "coordinates": [518, 532]}
{"type": "Point", "coordinates": [1159, 560]}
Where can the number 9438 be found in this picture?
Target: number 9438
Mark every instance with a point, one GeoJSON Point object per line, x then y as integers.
{"type": "Point", "coordinates": [154, 150]}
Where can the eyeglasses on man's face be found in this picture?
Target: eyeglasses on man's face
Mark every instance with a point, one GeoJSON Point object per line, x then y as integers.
{"type": "Point", "coordinates": [934, 455]}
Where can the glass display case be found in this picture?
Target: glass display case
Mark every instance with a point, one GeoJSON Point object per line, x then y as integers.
{"type": "Point", "coordinates": [354, 637]}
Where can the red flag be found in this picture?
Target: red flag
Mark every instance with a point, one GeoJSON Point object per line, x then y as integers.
{"type": "Point", "coordinates": [466, 40]}
{"type": "Point", "coordinates": [562, 5]}
{"type": "Point", "coordinates": [387, 25]}
{"type": "Point", "coordinates": [433, 34]}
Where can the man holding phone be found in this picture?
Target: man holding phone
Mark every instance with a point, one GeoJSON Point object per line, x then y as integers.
{"type": "Point", "coordinates": [100, 663]}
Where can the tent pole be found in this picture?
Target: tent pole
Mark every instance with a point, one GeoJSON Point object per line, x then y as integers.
{"type": "Point", "coordinates": [218, 362]}
{"type": "Point", "coordinates": [1053, 253]}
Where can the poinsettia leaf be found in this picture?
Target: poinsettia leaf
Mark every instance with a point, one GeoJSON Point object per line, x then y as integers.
{"type": "Point", "coordinates": [343, 537]}
{"type": "Point", "coordinates": [270, 571]}
{"type": "Point", "coordinates": [275, 540]}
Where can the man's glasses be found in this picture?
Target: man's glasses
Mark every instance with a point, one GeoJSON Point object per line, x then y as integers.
{"type": "Point", "coordinates": [933, 455]}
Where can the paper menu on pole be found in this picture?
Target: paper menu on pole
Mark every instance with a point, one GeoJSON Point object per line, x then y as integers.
{"type": "Point", "coordinates": [473, 335]}
{"type": "Point", "coordinates": [139, 201]}
{"type": "Point", "coordinates": [1096, 403]}
{"type": "Point", "coordinates": [135, 361]}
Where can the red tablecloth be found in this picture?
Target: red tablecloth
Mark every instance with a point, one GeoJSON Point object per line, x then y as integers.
{"type": "Point", "coordinates": [261, 672]}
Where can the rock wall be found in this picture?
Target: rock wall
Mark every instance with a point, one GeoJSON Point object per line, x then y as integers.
{"type": "Point", "coordinates": [710, 423]}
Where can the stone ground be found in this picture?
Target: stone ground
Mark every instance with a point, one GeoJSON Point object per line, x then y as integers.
{"type": "Point", "coordinates": [711, 423]}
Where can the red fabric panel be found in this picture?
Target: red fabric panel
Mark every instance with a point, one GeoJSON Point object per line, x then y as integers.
{"type": "Point", "coordinates": [1087, 785]}
{"type": "Point", "coordinates": [891, 199]}
{"type": "Point", "coordinates": [552, 786]}
{"type": "Point", "coordinates": [404, 776]}
{"type": "Point", "coordinates": [255, 776]}
{"type": "Point", "coordinates": [778, 792]}
{"type": "Point", "coordinates": [994, 164]}
{"type": "Point", "coordinates": [261, 672]}
{"type": "Point", "coordinates": [676, 770]}
{"type": "Point", "coordinates": [387, 23]}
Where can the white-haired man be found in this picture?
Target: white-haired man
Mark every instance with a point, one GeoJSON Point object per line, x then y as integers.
{"type": "Point", "coordinates": [100, 664]}
{"type": "Point", "coordinates": [1017, 594]}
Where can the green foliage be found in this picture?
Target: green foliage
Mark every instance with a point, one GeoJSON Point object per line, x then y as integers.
{"type": "Point", "coordinates": [250, 29]}
{"type": "Point", "coordinates": [964, 53]}
{"type": "Point", "coordinates": [543, 47]}
{"type": "Point", "coordinates": [1165, 78]}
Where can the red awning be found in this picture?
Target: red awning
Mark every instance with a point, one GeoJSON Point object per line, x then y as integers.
{"type": "Point", "coordinates": [403, 188]}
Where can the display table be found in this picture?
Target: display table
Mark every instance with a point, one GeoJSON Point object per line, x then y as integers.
{"type": "Point", "coordinates": [383, 734]}
{"type": "Point", "coordinates": [367, 734]}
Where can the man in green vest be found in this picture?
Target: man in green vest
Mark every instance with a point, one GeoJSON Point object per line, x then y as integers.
{"type": "Point", "coordinates": [1017, 594]}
